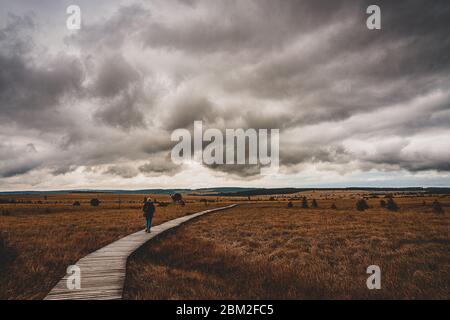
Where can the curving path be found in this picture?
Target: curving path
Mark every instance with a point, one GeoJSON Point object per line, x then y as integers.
{"type": "Point", "coordinates": [103, 271]}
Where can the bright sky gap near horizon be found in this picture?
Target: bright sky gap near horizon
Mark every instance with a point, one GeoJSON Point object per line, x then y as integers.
{"type": "Point", "coordinates": [95, 108]}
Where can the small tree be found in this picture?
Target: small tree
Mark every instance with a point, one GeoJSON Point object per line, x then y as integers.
{"type": "Point", "coordinates": [437, 207]}
{"type": "Point", "coordinates": [76, 204]}
{"type": "Point", "coordinates": [391, 205]}
{"type": "Point", "coordinates": [304, 203]}
{"type": "Point", "coordinates": [176, 197]}
{"type": "Point", "coordinates": [362, 205]}
{"type": "Point", "coordinates": [314, 204]}
{"type": "Point", "coordinates": [333, 206]}
{"type": "Point", "coordinates": [95, 202]}
{"type": "Point", "coordinates": [382, 203]}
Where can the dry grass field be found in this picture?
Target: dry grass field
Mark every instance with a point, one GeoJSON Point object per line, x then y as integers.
{"type": "Point", "coordinates": [261, 249]}
{"type": "Point", "coordinates": [266, 250]}
{"type": "Point", "coordinates": [40, 236]}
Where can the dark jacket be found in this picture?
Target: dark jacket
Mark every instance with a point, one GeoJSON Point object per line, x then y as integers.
{"type": "Point", "coordinates": [149, 209]}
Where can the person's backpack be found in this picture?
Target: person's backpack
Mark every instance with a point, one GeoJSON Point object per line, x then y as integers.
{"type": "Point", "coordinates": [149, 208]}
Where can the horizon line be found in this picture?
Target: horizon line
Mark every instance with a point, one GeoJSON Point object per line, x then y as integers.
{"type": "Point", "coordinates": [88, 190]}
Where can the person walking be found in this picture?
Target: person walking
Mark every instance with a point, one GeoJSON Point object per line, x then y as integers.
{"type": "Point", "coordinates": [149, 210]}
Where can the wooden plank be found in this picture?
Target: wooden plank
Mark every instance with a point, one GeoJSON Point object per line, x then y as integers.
{"type": "Point", "coordinates": [103, 271]}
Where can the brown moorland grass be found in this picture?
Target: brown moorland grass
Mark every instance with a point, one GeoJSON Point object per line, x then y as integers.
{"type": "Point", "coordinates": [45, 236]}
{"type": "Point", "coordinates": [268, 251]}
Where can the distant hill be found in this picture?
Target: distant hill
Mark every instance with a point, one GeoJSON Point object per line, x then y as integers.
{"type": "Point", "coordinates": [140, 191]}
{"type": "Point", "coordinates": [269, 191]}
{"type": "Point", "coordinates": [232, 191]}
{"type": "Point", "coordinates": [144, 191]}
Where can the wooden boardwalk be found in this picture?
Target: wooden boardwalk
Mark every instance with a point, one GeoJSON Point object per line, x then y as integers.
{"type": "Point", "coordinates": [103, 271]}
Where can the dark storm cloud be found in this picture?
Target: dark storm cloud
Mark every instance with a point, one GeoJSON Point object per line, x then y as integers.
{"type": "Point", "coordinates": [31, 89]}
{"type": "Point", "coordinates": [161, 164]}
{"type": "Point", "coordinates": [346, 68]}
{"type": "Point", "coordinates": [126, 172]}
{"type": "Point", "coordinates": [342, 95]}
{"type": "Point", "coordinates": [15, 169]}
{"type": "Point", "coordinates": [113, 31]}
{"type": "Point", "coordinates": [11, 33]}
{"type": "Point", "coordinates": [122, 112]}
{"type": "Point", "coordinates": [238, 170]}
{"type": "Point", "coordinates": [28, 90]}
{"type": "Point", "coordinates": [398, 158]}
{"type": "Point", "coordinates": [240, 26]}
{"type": "Point", "coordinates": [188, 109]}
{"type": "Point", "coordinates": [17, 160]}
{"type": "Point", "coordinates": [114, 76]}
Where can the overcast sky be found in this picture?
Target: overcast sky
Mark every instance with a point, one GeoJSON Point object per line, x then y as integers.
{"type": "Point", "coordinates": [95, 108]}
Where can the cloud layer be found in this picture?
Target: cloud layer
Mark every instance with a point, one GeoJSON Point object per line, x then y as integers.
{"type": "Point", "coordinates": [96, 107]}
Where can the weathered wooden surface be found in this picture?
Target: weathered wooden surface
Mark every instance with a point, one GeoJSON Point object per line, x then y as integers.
{"type": "Point", "coordinates": [103, 271]}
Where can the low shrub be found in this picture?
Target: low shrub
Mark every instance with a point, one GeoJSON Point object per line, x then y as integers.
{"type": "Point", "coordinates": [391, 205]}
{"type": "Point", "coordinates": [304, 203]}
{"type": "Point", "coordinates": [362, 205]}
{"type": "Point", "coordinates": [437, 207]}
{"type": "Point", "coordinates": [95, 202]}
